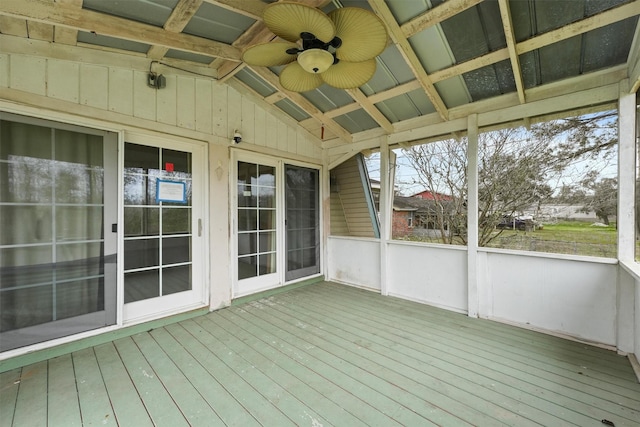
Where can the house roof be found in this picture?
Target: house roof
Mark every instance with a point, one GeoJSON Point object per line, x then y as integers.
{"type": "Point", "coordinates": [414, 204]}
{"type": "Point", "coordinates": [444, 61]}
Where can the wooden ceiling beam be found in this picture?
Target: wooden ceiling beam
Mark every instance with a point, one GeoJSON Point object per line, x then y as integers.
{"type": "Point", "coordinates": [251, 8]}
{"type": "Point", "coordinates": [398, 37]}
{"type": "Point", "coordinates": [179, 18]}
{"type": "Point", "coordinates": [507, 24]}
{"type": "Point", "coordinates": [608, 17]}
{"type": "Point", "coordinates": [100, 23]}
{"type": "Point", "coordinates": [67, 35]}
{"type": "Point", "coordinates": [303, 103]}
{"type": "Point", "coordinates": [436, 15]}
{"type": "Point", "coordinates": [368, 106]}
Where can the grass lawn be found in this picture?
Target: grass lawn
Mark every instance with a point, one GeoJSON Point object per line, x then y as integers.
{"type": "Point", "coordinates": [571, 237]}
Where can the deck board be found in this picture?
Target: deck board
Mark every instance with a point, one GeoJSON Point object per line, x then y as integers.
{"type": "Point", "coordinates": [9, 385]}
{"type": "Point", "coordinates": [323, 355]}
{"type": "Point", "coordinates": [95, 405]}
{"type": "Point", "coordinates": [63, 404]}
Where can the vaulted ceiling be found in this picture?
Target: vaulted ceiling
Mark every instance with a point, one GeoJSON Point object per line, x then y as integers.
{"type": "Point", "coordinates": [444, 60]}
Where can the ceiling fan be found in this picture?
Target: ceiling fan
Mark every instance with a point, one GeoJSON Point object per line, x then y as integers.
{"type": "Point", "coordinates": [338, 49]}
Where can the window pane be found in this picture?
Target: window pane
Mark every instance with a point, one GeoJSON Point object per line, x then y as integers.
{"type": "Point", "coordinates": [247, 267]}
{"type": "Point", "coordinates": [246, 243]}
{"type": "Point", "coordinates": [141, 253]}
{"type": "Point", "coordinates": [29, 224]}
{"type": "Point", "coordinates": [176, 221]}
{"type": "Point", "coordinates": [79, 297]}
{"type": "Point", "coordinates": [141, 221]}
{"type": "Point", "coordinates": [176, 279]}
{"type": "Point", "coordinates": [141, 285]}
{"type": "Point", "coordinates": [176, 250]}
{"type": "Point", "coordinates": [141, 157]}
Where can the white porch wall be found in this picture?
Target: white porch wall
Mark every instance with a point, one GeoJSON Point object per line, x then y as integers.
{"type": "Point", "coordinates": [432, 275]}
{"type": "Point", "coordinates": [572, 297]}
{"type": "Point", "coordinates": [349, 261]}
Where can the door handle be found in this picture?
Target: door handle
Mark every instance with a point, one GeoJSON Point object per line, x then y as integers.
{"type": "Point", "coordinates": [199, 227]}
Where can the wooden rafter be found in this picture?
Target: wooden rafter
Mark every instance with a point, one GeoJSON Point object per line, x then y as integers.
{"type": "Point", "coordinates": [179, 18]}
{"type": "Point", "coordinates": [100, 23]}
{"type": "Point", "coordinates": [67, 35]}
{"type": "Point", "coordinates": [436, 15]}
{"type": "Point", "coordinates": [368, 106]}
{"type": "Point", "coordinates": [397, 35]}
{"type": "Point", "coordinates": [251, 8]}
{"type": "Point", "coordinates": [604, 18]}
{"type": "Point", "coordinates": [303, 103]}
{"type": "Point", "coordinates": [507, 24]}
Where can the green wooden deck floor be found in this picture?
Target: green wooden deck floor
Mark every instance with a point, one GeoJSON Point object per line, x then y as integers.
{"type": "Point", "coordinates": [322, 355]}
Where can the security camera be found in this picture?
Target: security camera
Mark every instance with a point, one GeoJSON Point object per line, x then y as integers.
{"type": "Point", "coordinates": [237, 138]}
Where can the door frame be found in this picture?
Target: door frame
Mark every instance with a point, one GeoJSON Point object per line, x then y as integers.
{"type": "Point", "coordinates": [279, 278]}
{"type": "Point", "coordinates": [154, 308]}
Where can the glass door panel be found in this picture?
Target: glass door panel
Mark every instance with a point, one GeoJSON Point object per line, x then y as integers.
{"type": "Point", "coordinates": [302, 222]}
{"type": "Point", "coordinates": [58, 199]}
{"type": "Point", "coordinates": [159, 240]}
{"type": "Point", "coordinates": [256, 221]}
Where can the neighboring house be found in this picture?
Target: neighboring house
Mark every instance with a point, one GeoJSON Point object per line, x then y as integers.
{"type": "Point", "coordinates": [415, 216]}
{"type": "Point", "coordinates": [430, 195]}
{"type": "Point", "coordinates": [551, 212]}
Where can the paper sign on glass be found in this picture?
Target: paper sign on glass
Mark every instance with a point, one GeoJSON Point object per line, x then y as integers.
{"type": "Point", "coordinates": [171, 191]}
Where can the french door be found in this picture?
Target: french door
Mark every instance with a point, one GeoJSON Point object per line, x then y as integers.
{"type": "Point", "coordinates": [163, 229]}
{"type": "Point", "coordinates": [58, 202]}
{"type": "Point", "coordinates": [276, 224]}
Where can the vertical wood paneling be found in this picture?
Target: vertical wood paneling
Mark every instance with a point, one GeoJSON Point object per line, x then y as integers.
{"type": "Point", "coordinates": [4, 70]}
{"type": "Point", "coordinates": [272, 131]}
{"type": "Point", "coordinates": [28, 74]}
{"type": "Point", "coordinates": [283, 134]}
{"type": "Point", "coordinates": [220, 95]}
{"type": "Point", "coordinates": [292, 140]}
{"type": "Point", "coordinates": [121, 91]}
{"type": "Point", "coordinates": [204, 106]}
{"type": "Point", "coordinates": [144, 97]}
{"type": "Point", "coordinates": [63, 80]}
{"type": "Point", "coordinates": [234, 111]}
{"type": "Point", "coordinates": [248, 120]}
{"type": "Point", "coordinates": [94, 86]}
{"type": "Point", "coordinates": [186, 100]}
{"type": "Point", "coordinates": [198, 104]}
{"type": "Point", "coordinates": [166, 104]}
{"type": "Point", "coordinates": [260, 137]}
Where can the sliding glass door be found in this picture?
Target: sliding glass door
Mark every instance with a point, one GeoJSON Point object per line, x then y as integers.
{"type": "Point", "coordinates": [58, 201]}
{"type": "Point", "coordinates": [276, 224]}
{"type": "Point", "coordinates": [302, 222]}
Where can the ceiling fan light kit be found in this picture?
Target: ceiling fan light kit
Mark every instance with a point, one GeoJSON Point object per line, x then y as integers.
{"type": "Point", "coordinates": [315, 60]}
{"type": "Point", "coordinates": [338, 49]}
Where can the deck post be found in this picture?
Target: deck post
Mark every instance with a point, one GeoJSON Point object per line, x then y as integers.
{"type": "Point", "coordinates": [386, 207]}
{"type": "Point", "coordinates": [472, 216]}
{"type": "Point", "coordinates": [626, 216]}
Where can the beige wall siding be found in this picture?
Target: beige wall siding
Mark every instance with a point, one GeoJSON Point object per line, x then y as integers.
{"type": "Point", "coordinates": [190, 106]}
{"type": "Point", "coordinates": [349, 210]}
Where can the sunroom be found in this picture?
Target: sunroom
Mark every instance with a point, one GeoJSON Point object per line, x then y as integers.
{"type": "Point", "coordinates": [168, 168]}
